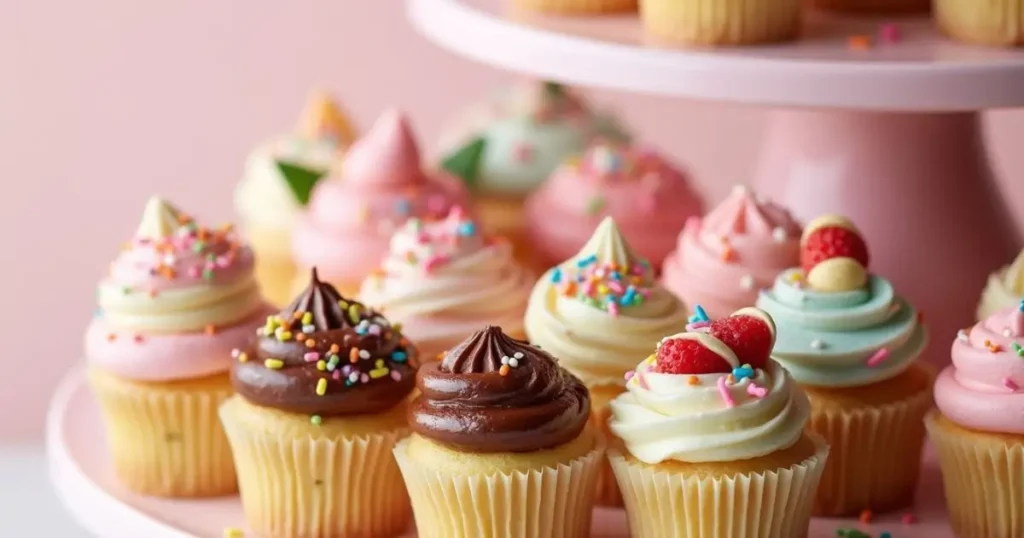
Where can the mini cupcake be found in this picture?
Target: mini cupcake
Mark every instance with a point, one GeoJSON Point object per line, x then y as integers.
{"type": "Point", "coordinates": [992, 22]}
{"type": "Point", "coordinates": [178, 298]}
{"type": "Point", "coordinates": [441, 279]}
{"type": "Point", "coordinates": [853, 344]}
{"type": "Point", "coordinates": [648, 198]}
{"type": "Point", "coordinates": [711, 439]}
{"type": "Point", "coordinates": [978, 429]}
{"type": "Point", "coordinates": [875, 7]}
{"type": "Point", "coordinates": [500, 444]}
{"type": "Point", "coordinates": [346, 232]}
{"type": "Point", "coordinates": [322, 398]}
{"type": "Point", "coordinates": [722, 22]}
{"type": "Point", "coordinates": [1004, 289]}
{"type": "Point", "coordinates": [279, 176]}
{"type": "Point", "coordinates": [577, 7]}
{"type": "Point", "coordinates": [506, 147]}
{"type": "Point", "coordinates": [597, 313]}
{"type": "Point", "coordinates": [722, 260]}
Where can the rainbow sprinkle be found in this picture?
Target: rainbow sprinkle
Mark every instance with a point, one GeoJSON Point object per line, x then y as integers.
{"type": "Point", "coordinates": [723, 390]}
{"type": "Point", "coordinates": [605, 286]}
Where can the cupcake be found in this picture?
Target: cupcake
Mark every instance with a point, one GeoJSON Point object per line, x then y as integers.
{"type": "Point", "coordinates": [175, 302]}
{"type": "Point", "coordinates": [322, 397]}
{"type": "Point", "coordinates": [506, 147]}
{"type": "Point", "coordinates": [978, 430]}
{"type": "Point", "coordinates": [500, 444]}
{"type": "Point", "coordinates": [442, 278]}
{"type": "Point", "coordinates": [722, 22]}
{"type": "Point", "coordinates": [710, 439]}
{"type": "Point", "coordinates": [722, 260]}
{"type": "Point", "coordinates": [346, 232]}
{"type": "Point", "coordinates": [853, 344]}
{"type": "Point", "coordinates": [577, 7]}
{"type": "Point", "coordinates": [875, 7]}
{"type": "Point", "coordinates": [992, 22]}
{"type": "Point", "coordinates": [279, 175]}
{"type": "Point", "coordinates": [1004, 289]}
{"type": "Point", "coordinates": [597, 313]}
{"type": "Point", "coordinates": [648, 197]}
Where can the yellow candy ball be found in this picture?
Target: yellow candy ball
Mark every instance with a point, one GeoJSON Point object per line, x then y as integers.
{"type": "Point", "coordinates": [837, 274]}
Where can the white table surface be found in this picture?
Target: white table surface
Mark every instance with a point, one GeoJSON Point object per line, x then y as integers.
{"type": "Point", "coordinates": [28, 506]}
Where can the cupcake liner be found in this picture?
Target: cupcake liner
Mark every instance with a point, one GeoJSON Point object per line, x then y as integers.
{"type": "Point", "coordinates": [722, 22]}
{"type": "Point", "coordinates": [549, 502]}
{"type": "Point", "coordinates": [887, 7]}
{"type": "Point", "coordinates": [578, 6]}
{"type": "Point", "coordinates": [982, 478]}
{"type": "Point", "coordinates": [770, 504]}
{"type": "Point", "coordinates": [988, 22]}
{"type": "Point", "coordinates": [165, 438]}
{"type": "Point", "coordinates": [294, 485]}
{"type": "Point", "coordinates": [274, 270]}
{"type": "Point", "coordinates": [875, 457]}
{"type": "Point", "coordinates": [607, 490]}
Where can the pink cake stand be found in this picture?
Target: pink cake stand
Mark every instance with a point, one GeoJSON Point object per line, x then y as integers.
{"type": "Point", "coordinates": [81, 473]}
{"type": "Point", "coordinates": [889, 136]}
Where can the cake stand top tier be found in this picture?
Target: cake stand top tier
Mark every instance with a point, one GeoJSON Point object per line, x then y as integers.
{"type": "Point", "coordinates": [921, 71]}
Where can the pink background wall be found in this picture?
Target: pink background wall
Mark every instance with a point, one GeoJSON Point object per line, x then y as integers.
{"type": "Point", "coordinates": [103, 103]}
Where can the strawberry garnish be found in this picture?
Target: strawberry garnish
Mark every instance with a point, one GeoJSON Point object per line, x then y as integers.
{"type": "Point", "coordinates": [749, 337]}
{"type": "Point", "coordinates": [832, 242]}
{"type": "Point", "coordinates": [688, 356]}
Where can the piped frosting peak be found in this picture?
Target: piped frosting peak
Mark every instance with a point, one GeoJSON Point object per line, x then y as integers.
{"type": "Point", "coordinates": [160, 220]}
{"type": "Point", "coordinates": [742, 213]}
{"type": "Point", "coordinates": [323, 119]}
{"type": "Point", "coordinates": [608, 246]}
{"type": "Point", "coordinates": [387, 155]}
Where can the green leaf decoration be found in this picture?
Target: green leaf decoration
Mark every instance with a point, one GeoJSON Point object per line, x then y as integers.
{"type": "Point", "coordinates": [554, 89]}
{"type": "Point", "coordinates": [465, 161]}
{"type": "Point", "coordinates": [300, 180]}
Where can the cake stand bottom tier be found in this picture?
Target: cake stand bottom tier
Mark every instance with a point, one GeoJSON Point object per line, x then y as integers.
{"type": "Point", "coordinates": [83, 477]}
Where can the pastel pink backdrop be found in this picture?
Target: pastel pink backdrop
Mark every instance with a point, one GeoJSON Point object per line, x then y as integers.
{"type": "Point", "coordinates": [106, 102]}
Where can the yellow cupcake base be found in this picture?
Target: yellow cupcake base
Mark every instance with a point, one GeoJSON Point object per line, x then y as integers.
{"type": "Point", "coordinates": [165, 438]}
{"type": "Point", "coordinates": [300, 480]}
{"type": "Point", "coordinates": [722, 22]}
{"type": "Point", "coordinates": [275, 269]}
{"type": "Point", "coordinates": [985, 22]}
{"type": "Point", "coordinates": [607, 488]}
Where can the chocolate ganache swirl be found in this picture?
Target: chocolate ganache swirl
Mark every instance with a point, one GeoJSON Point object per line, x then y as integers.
{"type": "Point", "coordinates": [493, 393]}
{"type": "Point", "coordinates": [327, 355]}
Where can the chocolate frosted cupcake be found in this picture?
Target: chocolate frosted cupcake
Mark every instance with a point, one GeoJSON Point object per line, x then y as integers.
{"type": "Point", "coordinates": [321, 401]}
{"type": "Point", "coordinates": [499, 423]}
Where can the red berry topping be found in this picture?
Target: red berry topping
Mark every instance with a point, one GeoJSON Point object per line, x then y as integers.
{"type": "Point", "coordinates": [832, 242]}
{"type": "Point", "coordinates": [749, 337]}
{"type": "Point", "coordinates": [686, 356]}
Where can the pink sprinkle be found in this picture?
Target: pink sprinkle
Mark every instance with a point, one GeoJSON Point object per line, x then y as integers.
{"type": "Point", "coordinates": [138, 339]}
{"type": "Point", "coordinates": [890, 33]}
{"type": "Point", "coordinates": [194, 271]}
{"type": "Point", "coordinates": [436, 203]}
{"type": "Point", "coordinates": [615, 286]}
{"type": "Point", "coordinates": [613, 309]}
{"type": "Point", "coordinates": [697, 325]}
{"type": "Point", "coordinates": [908, 519]}
{"type": "Point", "coordinates": [878, 357]}
{"type": "Point", "coordinates": [336, 375]}
{"type": "Point", "coordinates": [588, 288]}
{"type": "Point", "coordinates": [210, 265]}
{"type": "Point", "coordinates": [235, 353]}
{"type": "Point", "coordinates": [374, 330]}
{"type": "Point", "coordinates": [756, 391]}
{"type": "Point", "coordinates": [312, 356]}
{"type": "Point", "coordinates": [347, 369]}
{"type": "Point", "coordinates": [724, 391]}
{"type": "Point", "coordinates": [645, 292]}
{"type": "Point", "coordinates": [223, 261]}
{"type": "Point", "coordinates": [396, 375]}
{"type": "Point", "coordinates": [629, 375]}
{"type": "Point", "coordinates": [423, 238]}
{"type": "Point", "coordinates": [1009, 383]}
{"type": "Point", "coordinates": [364, 378]}
{"type": "Point", "coordinates": [433, 261]}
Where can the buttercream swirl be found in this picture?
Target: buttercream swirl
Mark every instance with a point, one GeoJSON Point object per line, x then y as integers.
{"type": "Point", "coordinates": [493, 393]}
{"type": "Point", "coordinates": [982, 388]}
{"type": "Point", "coordinates": [1003, 289]}
{"type": "Point", "coordinates": [665, 416]}
{"type": "Point", "coordinates": [326, 355]}
{"type": "Point", "coordinates": [598, 336]}
{"type": "Point", "coordinates": [442, 279]}
{"type": "Point", "coordinates": [842, 339]}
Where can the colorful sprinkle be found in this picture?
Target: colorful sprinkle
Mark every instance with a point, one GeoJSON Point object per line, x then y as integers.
{"type": "Point", "coordinates": [396, 375]}
{"type": "Point", "coordinates": [693, 381]}
{"type": "Point", "coordinates": [818, 344]}
{"type": "Point", "coordinates": [322, 366]}
{"type": "Point", "coordinates": [321, 386]}
{"type": "Point", "coordinates": [747, 282]}
{"type": "Point", "coordinates": [311, 356]}
{"type": "Point", "coordinates": [211, 330]}
{"type": "Point", "coordinates": [779, 234]}
{"type": "Point", "coordinates": [699, 315]}
{"type": "Point", "coordinates": [399, 356]}
{"type": "Point", "coordinates": [890, 33]}
{"type": "Point", "coordinates": [503, 370]}
{"type": "Point", "coordinates": [908, 519]}
{"type": "Point", "coordinates": [111, 337]}
{"type": "Point", "coordinates": [316, 420]}
{"type": "Point", "coordinates": [1017, 349]}
{"type": "Point", "coordinates": [724, 392]}
{"type": "Point", "coordinates": [629, 375]}
{"type": "Point", "coordinates": [993, 347]}
{"type": "Point", "coordinates": [1009, 383]}
{"type": "Point", "coordinates": [353, 355]}
{"type": "Point", "coordinates": [865, 516]}
{"type": "Point", "coordinates": [859, 42]}
{"type": "Point", "coordinates": [274, 364]}
{"type": "Point", "coordinates": [743, 372]}
{"type": "Point", "coordinates": [962, 336]}
{"type": "Point", "coordinates": [233, 532]}
{"type": "Point", "coordinates": [756, 391]}
{"type": "Point", "coordinates": [877, 357]}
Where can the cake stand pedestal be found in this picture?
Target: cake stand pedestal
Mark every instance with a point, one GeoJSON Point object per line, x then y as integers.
{"type": "Point", "coordinates": [82, 474]}
{"type": "Point", "coordinates": [889, 136]}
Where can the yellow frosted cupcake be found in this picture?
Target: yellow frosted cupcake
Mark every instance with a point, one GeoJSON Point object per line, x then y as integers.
{"type": "Point", "coordinates": [874, 7]}
{"type": "Point", "coordinates": [322, 397]}
{"type": "Point", "coordinates": [988, 22]}
{"type": "Point", "coordinates": [598, 312]}
{"type": "Point", "coordinates": [279, 176]}
{"type": "Point", "coordinates": [710, 437]}
{"type": "Point", "coordinates": [1005, 288]}
{"type": "Point", "coordinates": [577, 7]}
{"type": "Point", "coordinates": [722, 22]}
{"type": "Point", "coordinates": [177, 299]}
{"type": "Point", "coordinates": [853, 344]}
{"type": "Point", "coordinates": [500, 446]}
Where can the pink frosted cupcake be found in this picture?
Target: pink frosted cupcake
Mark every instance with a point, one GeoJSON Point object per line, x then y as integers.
{"type": "Point", "coordinates": [649, 199]}
{"type": "Point", "coordinates": [737, 249]}
{"type": "Point", "coordinates": [351, 217]}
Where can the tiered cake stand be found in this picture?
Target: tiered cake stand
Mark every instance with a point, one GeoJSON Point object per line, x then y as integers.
{"type": "Point", "coordinates": [889, 135]}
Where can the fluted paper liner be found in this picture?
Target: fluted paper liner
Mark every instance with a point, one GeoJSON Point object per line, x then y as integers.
{"type": "Point", "coordinates": [722, 22]}
{"type": "Point", "coordinates": [549, 502]}
{"type": "Point", "coordinates": [875, 457]}
{"type": "Point", "coordinates": [298, 486]}
{"type": "Point", "coordinates": [166, 439]}
{"type": "Point", "coordinates": [878, 7]}
{"type": "Point", "coordinates": [984, 482]}
{"type": "Point", "coordinates": [607, 489]}
{"type": "Point", "coordinates": [775, 503]}
{"type": "Point", "coordinates": [988, 22]}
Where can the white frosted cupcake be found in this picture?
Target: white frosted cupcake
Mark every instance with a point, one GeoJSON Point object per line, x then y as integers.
{"type": "Point", "coordinates": [1004, 289]}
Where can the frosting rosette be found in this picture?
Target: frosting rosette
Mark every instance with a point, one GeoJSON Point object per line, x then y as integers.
{"type": "Point", "coordinates": [723, 259]}
{"type": "Point", "coordinates": [602, 310]}
{"type": "Point", "coordinates": [493, 393]}
{"type": "Point", "coordinates": [441, 279]}
{"type": "Point", "coordinates": [1003, 289]}
{"type": "Point", "coordinates": [699, 400]}
{"type": "Point", "coordinates": [982, 388]}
